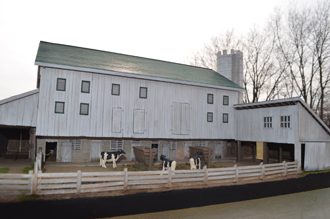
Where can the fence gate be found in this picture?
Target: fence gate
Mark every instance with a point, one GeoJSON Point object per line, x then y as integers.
{"type": "Point", "coordinates": [66, 152]}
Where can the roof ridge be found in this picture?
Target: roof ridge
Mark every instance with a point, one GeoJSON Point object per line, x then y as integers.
{"type": "Point", "coordinates": [193, 66]}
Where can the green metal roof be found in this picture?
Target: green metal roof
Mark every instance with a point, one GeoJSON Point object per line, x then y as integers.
{"type": "Point", "coordinates": [77, 57]}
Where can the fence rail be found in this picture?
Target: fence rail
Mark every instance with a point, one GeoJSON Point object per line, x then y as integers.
{"type": "Point", "coordinates": [64, 183]}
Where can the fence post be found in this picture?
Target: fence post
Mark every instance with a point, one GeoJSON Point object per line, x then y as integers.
{"type": "Point", "coordinates": [169, 180]}
{"type": "Point", "coordinates": [79, 181]}
{"type": "Point", "coordinates": [36, 166]}
{"type": "Point", "coordinates": [236, 173]}
{"type": "Point", "coordinates": [285, 168]}
{"type": "Point", "coordinates": [262, 170]}
{"type": "Point", "coordinates": [31, 184]}
{"type": "Point", "coordinates": [209, 158]}
{"type": "Point", "coordinates": [206, 175]}
{"type": "Point", "coordinates": [150, 158]}
{"type": "Point", "coordinates": [125, 178]}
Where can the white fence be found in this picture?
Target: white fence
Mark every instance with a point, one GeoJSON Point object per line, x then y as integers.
{"type": "Point", "coordinates": [65, 183]}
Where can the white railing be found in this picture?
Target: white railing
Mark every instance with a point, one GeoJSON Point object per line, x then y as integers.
{"type": "Point", "coordinates": [64, 183]}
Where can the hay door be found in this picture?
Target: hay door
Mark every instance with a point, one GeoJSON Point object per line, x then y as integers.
{"type": "Point", "coordinates": [96, 150]}
{"type": "Point", "coordinates": [66, 152]}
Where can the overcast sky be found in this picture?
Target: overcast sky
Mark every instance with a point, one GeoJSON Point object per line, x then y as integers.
{"type": "Point", "coordinates": [165, 30]}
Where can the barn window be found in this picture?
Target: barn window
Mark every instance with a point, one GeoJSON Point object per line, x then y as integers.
{"type": "Point", "coordinates": [225, 118]}
{"type": "Point", "coordinates": [226, 100]}
{"type": "Point", "coordinates": [76, 144]}
{"type": "Point", "coordinates": [59, 107]}
{"type": "Point", "coordinates": [116, 145]}
{"type": "Point", "coordinates": [172, 145]}
{"type": "Point", "coordinates": [210, 98]}
{"type": "Point", "coordinates": [115, 89]}
{"type": "Point", "coordinates": [209, 117]}
{"type": "Point", "coordinates": [268, 122]}
{"type": "Point", "coordinates": [84, 108]}
{"type": "Point", "coordinates": [285, 122]}
{"type": "Point", "coordinates": [85, 87]}
{"type": "Point", "coordinates": [60, 85]}
{"type": "Point", "coordinates": [143, 92]}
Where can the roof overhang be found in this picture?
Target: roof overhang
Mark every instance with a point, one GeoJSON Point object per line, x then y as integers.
{"type": "Point", "coordinates": [19, 96]}
{"type": "Point", "coordinates": [137, 76]}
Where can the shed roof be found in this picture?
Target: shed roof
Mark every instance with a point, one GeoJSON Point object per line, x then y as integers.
{"type": "Point", "coordinates": [283, 102]}
{"type": "Point", "coordinates": [77, 58]}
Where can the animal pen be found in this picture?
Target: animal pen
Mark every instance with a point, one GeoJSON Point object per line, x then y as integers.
{"type": "Point", "coordinates": [90, 182]}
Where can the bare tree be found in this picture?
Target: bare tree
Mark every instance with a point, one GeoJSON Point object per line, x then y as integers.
{"type": "Point", "coordinates": [261, 74]}
{"type": "Point", "coordinates": [320, 45]}
{"type": "Point", "coordinates": [207, 56]}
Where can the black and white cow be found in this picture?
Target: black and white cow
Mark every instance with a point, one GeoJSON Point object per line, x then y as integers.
{"type": "Point", "coordinates": [196, 160]}
{"type": "Point", "coordinates": [167, 164]}
{"type": "Point", "coordinates": [110, 157]}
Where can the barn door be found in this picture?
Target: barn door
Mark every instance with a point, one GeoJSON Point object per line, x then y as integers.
{"type": "Point", "coordinates": [180, 118]}
{"type": "Point", "coordinates": [96, 150]}
{"type": "Point", "coordinates": [116, 119]}
{"type": "Point", "coordinates": [139, 121]}
{"type": "Point", "coordinates": [166, 150]}
{"type": "Point", "coordinates": [66, 152]}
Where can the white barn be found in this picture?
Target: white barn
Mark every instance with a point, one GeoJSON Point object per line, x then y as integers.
{"type": "Point", "coordinates": [89, 101]}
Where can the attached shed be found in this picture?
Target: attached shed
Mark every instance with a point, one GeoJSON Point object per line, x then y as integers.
{"type": "Point", "coordinates": [18, 120]}
{"type": "Point", "coordinates": [287, 125]}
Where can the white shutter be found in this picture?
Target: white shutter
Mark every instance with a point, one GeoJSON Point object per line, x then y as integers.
{"type": "Point", "coordinates": [116, 119]}
{"type": "Point", "coordinates": [176, 118]}
{"type": "Point", "coordinates": [138, 121]}
{"type": "Point", "coordinates": [185, 122]}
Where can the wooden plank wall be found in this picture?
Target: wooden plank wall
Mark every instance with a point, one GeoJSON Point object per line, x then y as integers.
{"type": "Point", "coordinates": [251, 125]}
{"type": "Point", "coordinates": [317, 156]}
{"type": "Point", "coordinates": [20, 112]}
{"type": "Point", "coordinates": [310, 129]}
{"type": "Point", "coordinates": [158, 107]}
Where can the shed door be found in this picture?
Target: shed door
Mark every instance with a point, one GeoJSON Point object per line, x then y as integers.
{"type": "Point", "coordinates": [66, 152]}
{"type": "Point", "coordinates": [116, 119]}
{"type": "Point", "coordinates": [96, 150]}
{"type": "Point", "coordinates": [139, 121]}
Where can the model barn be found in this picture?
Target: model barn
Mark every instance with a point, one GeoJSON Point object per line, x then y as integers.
{"type": "Point", "coordinates": [88, 101]}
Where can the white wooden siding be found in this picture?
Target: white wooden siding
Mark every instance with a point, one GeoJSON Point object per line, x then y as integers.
{"type": "Point", "coordinates": [139, 121]}
{"type": "Point", "coordinates": [20, 110]}
{"type": "Point", "coordinates": [317, 156]}
{"type": "Point", "coordinates": [250, 125]}
{"type": "Point", "coordinates": [309, 128]}
{"type": "Point", "coordinates": [99, 122]}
